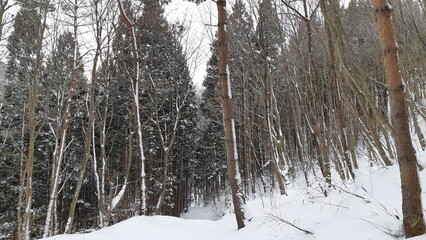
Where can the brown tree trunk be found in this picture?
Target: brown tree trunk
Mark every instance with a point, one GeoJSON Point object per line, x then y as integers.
{"type": "Point", "coordinates": [228, 118]}
{"type": "Point", "coordinates": [411, 191]}
{"type": "Point", "coordinates": [328, 17]}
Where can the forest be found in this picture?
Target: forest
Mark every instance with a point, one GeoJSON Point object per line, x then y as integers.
{"type": "Point", "coordinates": [100, 119]}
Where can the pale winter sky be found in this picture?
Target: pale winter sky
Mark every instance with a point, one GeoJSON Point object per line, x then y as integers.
{"type": "Point", "coordinates": [199, 19]}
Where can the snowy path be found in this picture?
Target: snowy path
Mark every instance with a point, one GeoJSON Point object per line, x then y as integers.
{"type": "Point", "coordinates": [202, 213]}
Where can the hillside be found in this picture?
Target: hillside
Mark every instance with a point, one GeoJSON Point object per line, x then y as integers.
{"type": "Point", "coordinates": [370, 208]}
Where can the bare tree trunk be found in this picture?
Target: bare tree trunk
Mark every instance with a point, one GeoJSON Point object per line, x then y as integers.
{"type": "Point", "coordinates": [57, 161]}
{"type": "Point", "coordinates": [27, 176]}
{"type": "Point", "coordinates": [318, 120]}
{"type": "Point", "coordinates": [167, 139]}
{"type": "Point", "coordinates": [166, 148]}
{"type": "Point", "coordinates": [100, 188]}
{"type": "Point", "coordinates": [88, 137]}
{"type": "Point", "coordinates": [375, 136]}
{"type": "Point", "coordinates": [317, 124]}
{"type": "Point", "coordinates": [342, 127]}
{"type": "Point", "coordinates": [135, 92]}
{"type": "Point", "coordinates": [88, 141]}
{"type": "Point", "coordinates": [335, 83]}
{"type": "Point", "coordinates": [160, 201]}
{"type": "Point", "coordinates": [411, 191]}
{"type": "Point", "coordinates": [274, 150]}
{"type": "Point", "coordinates": [228, 118]}
{"type": "Point", "coordinates": [22, 181]}
{"type": "Point", "coordinates": [245, 138]}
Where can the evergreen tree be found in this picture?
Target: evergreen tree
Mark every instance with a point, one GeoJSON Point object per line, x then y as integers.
{"type": "Point", "coordinates": [241, 54]}
{"type": "Point", "coordinates": [20, 69]}
{"type": "Point", "coordinates": [184, 156]}
{"type": "Point", "coordinates": [167, 95]}
{"type": "Point", "coordinates": [211, 167]}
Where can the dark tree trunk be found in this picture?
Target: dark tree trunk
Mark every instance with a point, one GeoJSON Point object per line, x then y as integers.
{"type": "Point", "coordinates": [228, 118]}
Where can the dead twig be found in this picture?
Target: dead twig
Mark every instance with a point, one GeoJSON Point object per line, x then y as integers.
{"type": "Point", "coordinates": [386, 230]}
{"type": "Point", "coordinates": [278, 218]}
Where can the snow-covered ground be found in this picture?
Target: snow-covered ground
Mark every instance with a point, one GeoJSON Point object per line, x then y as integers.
{"type": "Point", "coordinates": [368, 209]}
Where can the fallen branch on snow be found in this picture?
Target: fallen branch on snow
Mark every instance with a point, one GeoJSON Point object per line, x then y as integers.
{"type": "Point", "coordinates": [386, 230]}
{"type": "Point", "coordinates": [289, 223]}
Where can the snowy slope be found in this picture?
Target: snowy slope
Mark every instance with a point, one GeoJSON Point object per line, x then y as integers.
{"type": "Point", "coordinates": [368, 209]}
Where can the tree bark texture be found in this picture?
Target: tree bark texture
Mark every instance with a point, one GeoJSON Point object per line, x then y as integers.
{"type": "Point", "coordinates": [228, 118]}
{"type": "Point", "coordinates": [411, 191]}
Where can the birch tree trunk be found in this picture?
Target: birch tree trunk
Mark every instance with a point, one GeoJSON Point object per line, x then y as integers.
{"type": "Point", "coordinates": [228, 118]}
{"type": "Point", "coordinates": [411, 191]}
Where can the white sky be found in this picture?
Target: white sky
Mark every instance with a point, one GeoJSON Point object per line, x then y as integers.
{"type": "Point", "coordinates": [199, 20]}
